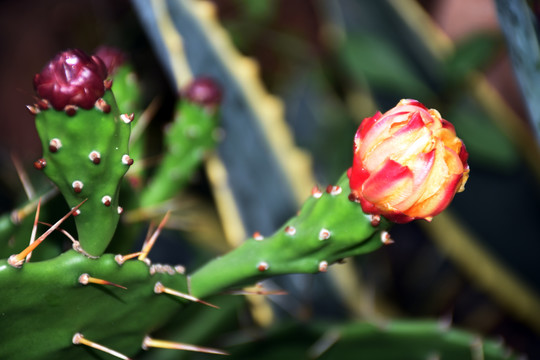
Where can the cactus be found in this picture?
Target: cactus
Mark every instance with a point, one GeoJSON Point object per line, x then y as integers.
{"type": "Point", "coordinates": [192, 133]}
{"type": "Point", "coordinates": [54, 292]}
{"type": "Point", "coordinates": [125, 86]}
{"type": "Point", "coordinates": [329, 227]}
{"type": "Point", "coordinates": [128, 95]}
{"type": "Point", "coordinates": [85, 303]}
{"type": "Point", "coordinates": [85, 142]}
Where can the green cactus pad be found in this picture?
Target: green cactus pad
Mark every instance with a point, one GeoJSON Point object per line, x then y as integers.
{"type": "Point", "coordinates": [86, 156]}
{"type": "Point", "coordinates": [127, 91]}
{"type": "Point", "coordinates": [328, 228]}
{"type": "Point", "coordinates": [45, 302]}
{"type": "Point", "coordinates": [188, 138]}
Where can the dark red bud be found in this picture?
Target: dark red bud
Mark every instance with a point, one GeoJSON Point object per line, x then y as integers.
{"type": "Point", "coordinates": [72, 78]}
{"type": "Point", "coordinates": [203, 91]}
{"type": "Point", "coordinates": [112, 57]}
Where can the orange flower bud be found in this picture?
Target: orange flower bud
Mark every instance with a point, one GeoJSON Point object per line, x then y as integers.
{"type": "Point", "coordinates": [408, 163]}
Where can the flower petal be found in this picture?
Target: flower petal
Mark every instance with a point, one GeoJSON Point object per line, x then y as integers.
{"type": "Point", "coordinates": [402, 146]}
{"type": "Point", "coordinates": [391, 184]}
{"type": "Point", "coordinates": [438, 202]}
{"type": "Point", "coordinates": [421, 168]}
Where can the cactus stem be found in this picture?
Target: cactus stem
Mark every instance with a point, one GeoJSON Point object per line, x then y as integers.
{"type": "Point", "coordinates": [263, 266]}
{"type": "Point", "coordinates": [106, 200]}
{"type": "Point", "coordinates": [218, 134]}
{"type": "Point", "coordinates": [102, 106]}
{"type": "Point", "coordinates": [77, 186]}
{"type": "Point", "coordinates": [40, 164]}
{"type": "Point", "coordinates": [385, 238]}
{"type": "Point", "coordinates": [375, 220]}
{"type": "Point", "coordinates": [34, 229]}
{"type": "Point", "coordinates": [323, 266]}
{"type": "Point", "coordinates": [17, 260]}
{"type": "Point", "coordinates": [107, 84]}
{"type": "Point", "coordinates": [55, 145]}
{"type": "Point", "coordinates": [316, 192]}
{"type": "Point", "coordinates": [126, 160]}
{"type": "Point", "coordinates": [324, 234]}
{"type": "Point", "coordinates": [70, 110]}
{"type": "Point", "coordinates": [95, 157]}
{"type": "Point", "coordinates": [257, 236]}
{"type": "Point", "coordinates": [290, 230]}
{"type": "Point", "coordinates": [159, 288]}
{"type": "Point", "coordinates": [78, 338]}
{"type": "Point", "coordinates": [120, 259]}
{"type": "Point", "coordinates": [147, 246]}
{"type": "Point", "coordinates": [127, 118]}
{"type": "Point", "coordinates": [86, 279]}
{"type": "Point", "coordinates": [33, 109]}
{"type": "Point", "coordinates": [148, 342]}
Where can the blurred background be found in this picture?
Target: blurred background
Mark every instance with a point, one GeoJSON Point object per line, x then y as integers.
{"type": "Point", "coordinates": [333, 63]}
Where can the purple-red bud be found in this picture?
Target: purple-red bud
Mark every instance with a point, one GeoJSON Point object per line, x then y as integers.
{"type": "Point", "coordinates": [112, 57]}
{"type": "Point", "coordinates": [72, 78]}
{"type": "Point", "coordinates": [203, 91]}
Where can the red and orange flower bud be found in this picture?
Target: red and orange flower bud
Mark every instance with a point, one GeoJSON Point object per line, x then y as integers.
{"type": "Point", "coordinates": [408, 163]}
{"type": "Point", "coordinates": [72, 78]}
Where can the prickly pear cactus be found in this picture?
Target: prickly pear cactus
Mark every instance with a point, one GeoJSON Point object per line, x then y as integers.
{"type": "Point", "coordinates": [328, 228]}
{"type": "Point", "coordinates": [52, 301]}
{"type": "Point", "coordinates": [125, 85]}
{"type": "Point", "coordinates": [85, 142]}
{"type": "Point", "coordinates": [193, 132]}
{"type": "Point", "coordinates": [84, 304]}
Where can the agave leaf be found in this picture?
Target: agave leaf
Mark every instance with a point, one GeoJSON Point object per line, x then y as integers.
{"type": "Point", "coordinates": [518, 25]}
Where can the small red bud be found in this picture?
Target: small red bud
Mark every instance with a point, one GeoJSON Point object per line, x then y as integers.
{"type": "Point", "coordinates": [203, 91]}
{"type": "Point", "coordinates": [71, 78]}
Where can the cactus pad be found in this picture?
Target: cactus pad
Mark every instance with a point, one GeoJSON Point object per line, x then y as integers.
{"type": "Point", "coordinates": [85, 150]}
{"type": "Point", "coordinates": [49, 303]}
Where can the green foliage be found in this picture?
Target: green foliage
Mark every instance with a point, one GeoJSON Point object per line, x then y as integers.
{"type": "Point", "coordinates": [375, 63]}
{"type": "Point", "coordinates": [472, 54]}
